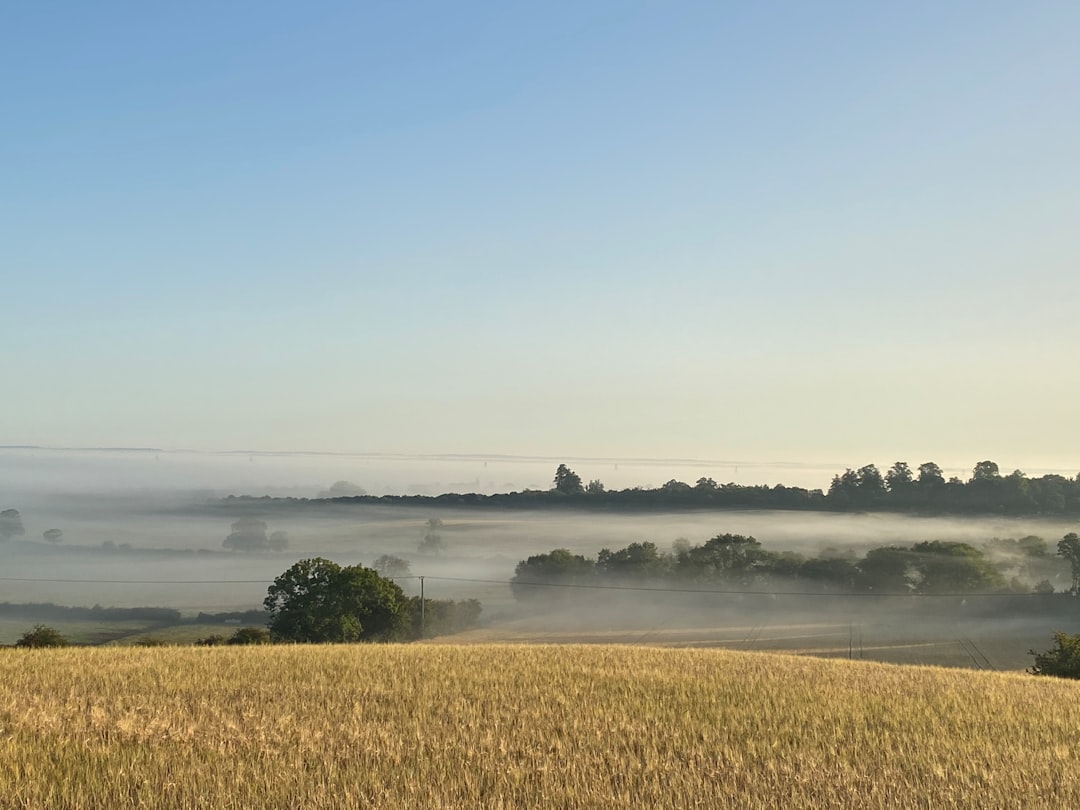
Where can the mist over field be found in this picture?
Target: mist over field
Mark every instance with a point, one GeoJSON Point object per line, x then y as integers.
{"type": "Point", "coordinates": [147, 529]}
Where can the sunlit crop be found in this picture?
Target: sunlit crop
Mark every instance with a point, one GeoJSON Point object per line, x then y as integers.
{"type": "Point", "coordinates": [523, 726]}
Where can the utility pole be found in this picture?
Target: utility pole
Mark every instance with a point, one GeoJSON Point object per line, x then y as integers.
{"type": "Point", "coordinates": [422, 617]}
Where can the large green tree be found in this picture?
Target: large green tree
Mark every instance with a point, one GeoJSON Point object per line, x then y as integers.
{"type": "Point", "coordinates": [319, 601]}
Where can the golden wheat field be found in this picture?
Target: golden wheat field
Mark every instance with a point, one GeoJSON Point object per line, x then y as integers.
{"type": "Point", "coordinates": [425, 726]}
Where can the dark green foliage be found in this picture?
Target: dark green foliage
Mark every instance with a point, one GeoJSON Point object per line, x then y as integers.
{"type": "Point", "coordinates": [559, 567]}
{"type": "Point", "coordinates": [886, 570]}
{"type": "Point", "coordinates": [899, 489]}
{"type": "Point", "coordinates": [636, 561]}
{"type": "Point", "coordinates": [567, 482]}
{"type": "Point", "coordinates": [41, 636]}
{"type": "Point", "coordinates": [732, 561]}
{"type": "Point", "coordinates": [940, 566]}
{"type": "Point", "coordinates": [250, 635]}
{"type": "Point", "coordinates": [1061, 661]}
{"type": "Point", "coordinates": [1069, 548]}
{"type": "Point", "coordinates": [731, 558]}
{"type": "Point", "coordinates": [319, 601]}
{"type": "Point", "coordinates": [216, 640]}
{"type": "Point", "coordinates": [831, 573]}
{"type": "Point", "coordinates": [150, 641]}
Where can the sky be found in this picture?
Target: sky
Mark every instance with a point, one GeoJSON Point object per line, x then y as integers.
{"type": "Point", "coordinates": [788, 232]}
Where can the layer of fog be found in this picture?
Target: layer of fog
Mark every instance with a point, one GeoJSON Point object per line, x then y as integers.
{"type": "Point", "coordinates": [126, 540]}
{"type": "Point", "coordinates": [143, 529]}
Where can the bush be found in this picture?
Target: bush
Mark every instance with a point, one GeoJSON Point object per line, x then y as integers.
{"type": "Point", "coordinates": [250, 635]}
{"type": "Point", "coordinates": [42, 636]}
{"type": "Point", "coordinates": [1063, 661]}
{"type": "Point", "coordinates": [211, 641]}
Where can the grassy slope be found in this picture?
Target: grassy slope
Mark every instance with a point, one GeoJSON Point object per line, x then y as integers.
{"type": "Point", "coordinates": [523, 726]}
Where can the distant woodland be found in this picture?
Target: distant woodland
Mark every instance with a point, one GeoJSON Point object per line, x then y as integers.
{"type": "Point", "coordinates": [923, 490]}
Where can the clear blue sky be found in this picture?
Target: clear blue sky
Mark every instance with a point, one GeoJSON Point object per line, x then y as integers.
{"type": "Point", "coordinates": [773, 231]}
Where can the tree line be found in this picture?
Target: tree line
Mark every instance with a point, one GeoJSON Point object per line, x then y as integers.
{"type": "Point", "coordinates": [923, 489]}
{"type": "Point", "coordinates": [741, 562]}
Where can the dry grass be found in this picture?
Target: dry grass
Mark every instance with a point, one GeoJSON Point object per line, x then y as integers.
{"type": "Point", "coordinates": [523, 726]}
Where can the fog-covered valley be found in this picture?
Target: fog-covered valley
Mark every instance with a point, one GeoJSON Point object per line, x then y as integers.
{"type": "Point", "coordinates": [127, 539]}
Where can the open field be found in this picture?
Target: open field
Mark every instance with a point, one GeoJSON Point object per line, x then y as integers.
{"type": "Point", "coordinates": [948, 642]}
{"type": "Point", "coordinates": [523, 726]}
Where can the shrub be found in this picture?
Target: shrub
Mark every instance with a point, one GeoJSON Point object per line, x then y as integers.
{"type": "Point", "coordinates": [211, 641]}
{"type": "Point", "coordinates": [42, 636]}
{"type": "Point", "coordinates": [1062, 661]}
{"type": "Point", "coordinates": [250, 635]}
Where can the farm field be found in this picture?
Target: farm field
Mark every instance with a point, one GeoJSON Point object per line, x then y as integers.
{"type": "Point", "coordinates": [967, 644]}
{"type": "Point", "coordinates": [492, 726]}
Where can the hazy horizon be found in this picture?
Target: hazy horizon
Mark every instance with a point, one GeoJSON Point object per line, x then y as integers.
{"type": "Point", "coordinates": [38, 470]}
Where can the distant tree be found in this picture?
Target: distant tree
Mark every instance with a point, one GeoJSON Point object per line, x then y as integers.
{"type": "Point", "coordinates": [871, 483]}
{"type": "Point", "coordinates": [250, 635]}
{"type": "Point", "coordinates": [11, 524]}
{"type": "Point", "coordinates": [567, 482]}
{"type": "Point", "coordinates": [930, 476]}
{"type": "Point", "coordinates": [886, 570]}
{"type": "Point", "coordinates": [731, 557]}
{"type": "Point", "coordinates": [52, 535]}
{"type": "Point", "coordinates": [441, 616]}
{"type": "Point", "coordinates": [42, 636]}
{"type": "Point", "coordinates": [676, 487]}
{"type": "Point", "coordinates": [1069, 548]}
{"type": "Point", "coordinates": [706, 485]}
{"type": "Point", "coordinates": [831, 572]}
{"type": "Point", "coordinates": [899, 478]}
{"type": "Point", "coordinates": [637, 560]}
{"type": "Point", "coordinates": [343, 489]}
{"type": "Point", "coordinates": [432, 542]}
{"type": "Point", "coordinates": [278, 541]}
{"type": "Point", "coordinates": [943, 566]}
{"type": "Point", "coordinates": [558, 567]}
{"type": "Point", "coordinates": [387, 565]}
{"type": "Point", "coordinates": [1033, 546]}
{"type": "Point", "coordinates": [1061, 661]}
{"type": "Point", "coordinates": [248, 534]}
{"type": "Point", "coordinates": [595, 487]}
{"type": "Point", "coordinates": [216, 640]}
{"type": "Point", "coordinates": [985, 471]}
{"type": "Point", "coordinates": [1043, 586]}
{"type": "Point", "coordinates": [319, 601]}
{"type": "Point", "coordinates": [844, 489]}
